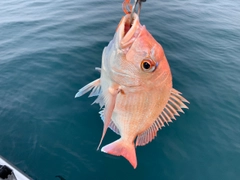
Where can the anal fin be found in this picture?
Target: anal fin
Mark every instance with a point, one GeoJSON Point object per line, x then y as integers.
{"type": "Point", "coordinates": [112, 126]}
{"type": "Point", "coordinates": [174, 104]}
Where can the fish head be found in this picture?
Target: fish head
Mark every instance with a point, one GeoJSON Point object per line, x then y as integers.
{"type": "Point", "coordinates": [139, 56]}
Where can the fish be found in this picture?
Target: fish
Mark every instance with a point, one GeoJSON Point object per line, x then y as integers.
{"type": "Point", "coordinates": [135, 90]}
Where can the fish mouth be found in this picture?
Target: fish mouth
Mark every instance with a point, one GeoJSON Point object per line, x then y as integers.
{"type": "Point", "coordinates": [128, 24]}
{"type": "Point", "coordinates": [128, 29]}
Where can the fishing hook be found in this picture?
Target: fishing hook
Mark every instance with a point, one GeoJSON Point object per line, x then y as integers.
{"type": "Point", "coordinates": [129, 9]}
{"type": "Point", "coordinates": [139, 2]}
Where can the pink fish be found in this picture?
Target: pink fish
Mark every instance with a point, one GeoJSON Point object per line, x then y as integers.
{"type": "Point", "coordinates": [134, 90]}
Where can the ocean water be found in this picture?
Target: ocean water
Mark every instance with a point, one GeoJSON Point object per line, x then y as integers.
{"type": "Point", "coordinates": [49, 49]}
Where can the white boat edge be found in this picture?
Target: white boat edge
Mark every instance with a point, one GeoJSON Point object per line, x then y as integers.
{"type": "Point", "coordinates": [18, 173]}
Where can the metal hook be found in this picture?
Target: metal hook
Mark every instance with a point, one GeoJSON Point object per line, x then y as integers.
{"type": "Point", "coordinates": [129, 9]}
{"type": "Point", "coordinates": [139, 2]}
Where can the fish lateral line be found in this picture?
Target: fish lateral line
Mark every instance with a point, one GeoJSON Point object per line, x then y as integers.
{"type": "Point", "coordinates": [174, 104]}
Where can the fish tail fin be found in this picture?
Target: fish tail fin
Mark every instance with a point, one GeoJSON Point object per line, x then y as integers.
{"type": "Point", "coordinates": [121, 148]}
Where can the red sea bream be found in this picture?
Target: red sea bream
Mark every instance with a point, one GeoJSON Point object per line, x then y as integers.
{"type": "Point", "coordinates": [134, 90]}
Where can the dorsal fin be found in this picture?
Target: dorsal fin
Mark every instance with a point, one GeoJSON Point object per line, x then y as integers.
{"type": "Point", "coordinates": [175, 103]}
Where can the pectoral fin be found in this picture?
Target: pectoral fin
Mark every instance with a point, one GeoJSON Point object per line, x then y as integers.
{"type": "Point", "coordinates": [112, 125]}
{"type": "Point", "coordinates": [110, 100]}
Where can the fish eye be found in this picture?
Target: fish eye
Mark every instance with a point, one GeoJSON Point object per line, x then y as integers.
{"type": "Point", "coordinates": [148, 65]}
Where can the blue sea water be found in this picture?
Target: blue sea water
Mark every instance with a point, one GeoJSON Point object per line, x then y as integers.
{"type": "Point", "coordinates": [49, 49]}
